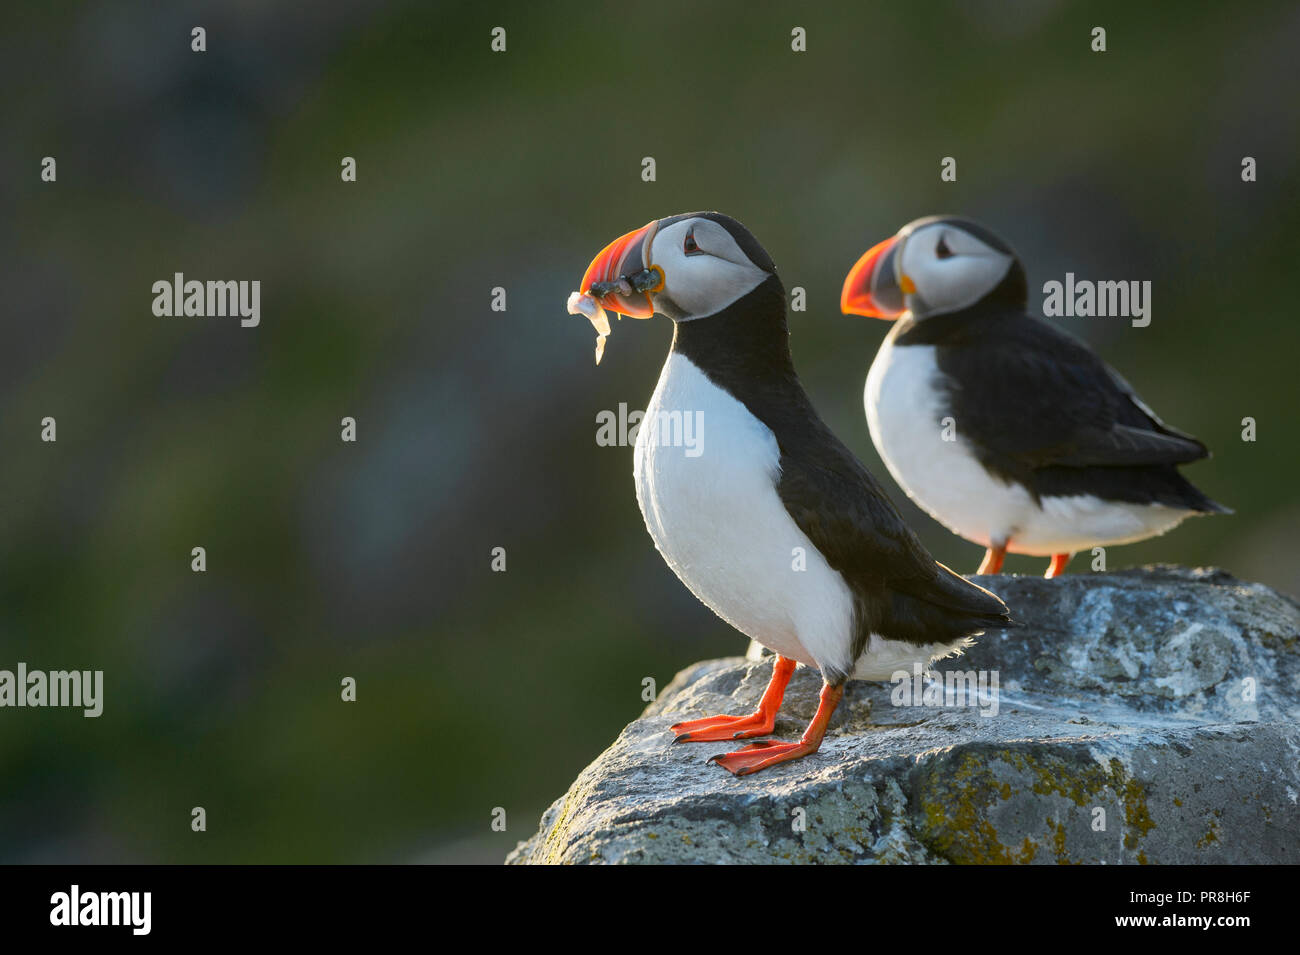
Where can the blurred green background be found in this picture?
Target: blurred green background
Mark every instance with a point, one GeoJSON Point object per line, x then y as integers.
{"type": "Point", "coordinates": [476, 428]}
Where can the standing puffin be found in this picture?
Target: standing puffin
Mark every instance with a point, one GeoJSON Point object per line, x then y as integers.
{"type": "Point", "coordinates": [1008, 431]}
{"type": "Point", "coordinates": [768, 518]}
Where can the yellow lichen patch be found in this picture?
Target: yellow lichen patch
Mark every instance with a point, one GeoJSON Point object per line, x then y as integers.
{"type": "Point", "coordinates": [1058, 842]}
{"type": "Point", "coordinates": [1134, 795]}
{"type": "Point", "coordinates": [1028, 850]}
{"type": "Point", "coordinates": [957, 816]}
{"type": "Point", "coordinates": [1087, 786]}
{"type": "Point", "coordinates": [558, 836]}
{"type": "Point", "coordinates": [553, 848]}
{"type": "Point", "coordinates": [957, 823]}
{"type": "Point", "coordinates": [1080, 785]}
{"type": "Point", "coordinates": [1211, 836]}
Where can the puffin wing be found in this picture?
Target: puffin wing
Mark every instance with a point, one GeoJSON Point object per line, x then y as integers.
{"type": "Point", "coordinates": [901, 591]}
{"type": "Point", "coordinates": [1032, 396]}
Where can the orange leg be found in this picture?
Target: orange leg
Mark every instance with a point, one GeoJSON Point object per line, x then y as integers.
{"type": "Point", "coordinates": [1057, 566]}
{"type": "Point", "coordinates": [993, 557]}
{"type": "Point", "coordinates": [767, 753]}
{"type": "Point", "coordinates": [759, 723]}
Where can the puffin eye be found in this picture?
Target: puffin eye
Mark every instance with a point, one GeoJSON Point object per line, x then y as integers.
{"type": "Point", "coordinates": [689, 246]}
{"type": "Point", "coordinates": [941, 250]}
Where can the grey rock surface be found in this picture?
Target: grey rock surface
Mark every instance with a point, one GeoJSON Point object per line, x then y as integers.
{"type": "Point", "coordinates": [1144, 716]}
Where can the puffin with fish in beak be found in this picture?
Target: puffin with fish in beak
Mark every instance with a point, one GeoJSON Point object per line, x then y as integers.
{"type": "Point", "coordinates": [1008, 431]}
{"type": "Point", "coordinates": [768, 519]}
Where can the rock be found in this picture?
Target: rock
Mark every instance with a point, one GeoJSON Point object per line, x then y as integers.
{"type": "Point", "coordinates": [1150, 715]}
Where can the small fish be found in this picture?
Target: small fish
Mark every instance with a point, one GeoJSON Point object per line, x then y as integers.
{"type": "Point", "coordinates": [580, 303]}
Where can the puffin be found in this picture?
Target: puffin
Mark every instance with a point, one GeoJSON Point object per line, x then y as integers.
{"type": "Point", "coordinates": [1007, 430]}
{"type": "Point", "coordinates": [766, 516]}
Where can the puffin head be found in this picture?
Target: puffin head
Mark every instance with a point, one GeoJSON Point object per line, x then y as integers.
{"type": "Point", "coordinates": [934, 266]}
{"type": "Point", "coordinates": [686, 266]}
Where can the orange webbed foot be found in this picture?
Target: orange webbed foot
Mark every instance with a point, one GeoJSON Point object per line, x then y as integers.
{"type": "Point", "coordinates": [767, 753]}
{"type": "Point", "coordinates": [713, 729]}
{"type": "Point", "coordinates": [761, 755]}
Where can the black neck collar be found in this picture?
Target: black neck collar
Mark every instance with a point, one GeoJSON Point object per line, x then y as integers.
{"type": "Point", "coordinates": [745, 350]}
{"type": "Point", "coordinates": [1008, 299]}
{"type": "Point", "coordinates": [749, 337]}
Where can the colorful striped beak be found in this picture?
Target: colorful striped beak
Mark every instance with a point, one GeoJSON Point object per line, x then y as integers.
{"type": "Point", "coordinates": [872, 288]}
{"type": "Point", "coordinates": [622, 278]}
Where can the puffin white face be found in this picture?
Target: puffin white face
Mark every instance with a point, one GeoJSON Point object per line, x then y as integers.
{"type": "Point", "coordinates": [704, 269]}
{"type": "Point", "coordinates": [933, 266]}
{"type": "Point", "coordinates": [686, 267]}
{"type": "Point", "coordinates": [943, 268]}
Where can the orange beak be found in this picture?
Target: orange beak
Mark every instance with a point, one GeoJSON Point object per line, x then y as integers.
{"type": "Point", "coordinates": [622, 278]}
{"type": "Point", "coordinates": [871, 287]}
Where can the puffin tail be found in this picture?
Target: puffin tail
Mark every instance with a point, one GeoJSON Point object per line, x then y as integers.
{"type": "Point", "coordinates": [1201, 504]}
{"type": "Point", "coordinates": [968, 596]}
{"type": "Point", "coordinates": [950, 607]}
